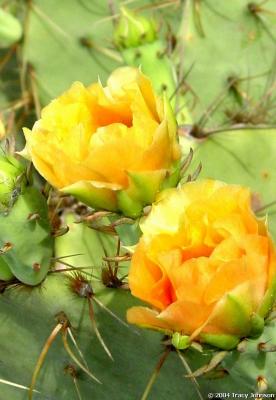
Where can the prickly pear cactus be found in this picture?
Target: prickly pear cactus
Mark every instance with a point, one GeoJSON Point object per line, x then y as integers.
{"type": "Point", "coordinates": [64, 266]}
{"type": "Point", "coordinates": [26, 244]}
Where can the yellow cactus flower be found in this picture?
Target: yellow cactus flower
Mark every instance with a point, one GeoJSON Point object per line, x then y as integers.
{"type": "Point", "coordinates": [112, 147]}
{"type": "Point", "coordinates": [205, 264]}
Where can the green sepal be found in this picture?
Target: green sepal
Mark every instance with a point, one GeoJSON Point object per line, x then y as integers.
{"type": "Point", "coordinates": [173, 177]}
{"type": "Point", "coordinates": [29, 257]}
{"type": "Point", "coordinates": [257, 325]}
{"type": "Point", "coordinates": [129, 206]}
{"type": "Point", "coordinates": [95, 194]}
{"type": "Point", "coordinates": [144, 185]}
{"type": "Point", "coordinates": [142, 190]}
{"type": "Point", "coordinates": [268, 300]}
{"type": "Point", "coordinates": [222, 341]}
{"type": "Point", "coordinates": [179, 341]}
{"type": "Point", "coordinates": [233, 315]}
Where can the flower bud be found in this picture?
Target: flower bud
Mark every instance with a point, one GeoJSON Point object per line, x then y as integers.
{"type": "Point", "coordinates": [133, 30]}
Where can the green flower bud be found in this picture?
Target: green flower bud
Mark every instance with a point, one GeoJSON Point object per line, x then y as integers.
{"type": "Point", "coordinates": [179, 341]}
{"type": "Point", "coordinates": [133, 30]}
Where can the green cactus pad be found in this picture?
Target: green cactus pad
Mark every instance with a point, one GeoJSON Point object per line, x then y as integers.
{"type": "Point", "coordinates": [31, 243]}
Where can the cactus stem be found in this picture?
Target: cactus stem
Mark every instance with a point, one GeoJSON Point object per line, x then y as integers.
{"type": "Point", "coordinates": [155, 374]}
{"type": "Point", "coordinates": [188, 369]}
{"type": "Point", "coordinates": [42, 356]}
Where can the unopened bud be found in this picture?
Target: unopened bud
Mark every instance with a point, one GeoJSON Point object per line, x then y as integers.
{"type": "Point", "coordinates": [134, 30]}
{"type": "Point", "coordinates": [179, 341]}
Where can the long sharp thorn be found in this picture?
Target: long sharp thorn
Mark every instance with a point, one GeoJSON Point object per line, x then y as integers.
{"type": "Point", "coordinates": [77, 347]}
{"type": "Point", "coordinates": [196, 172]}
{"type": "Point", "coordinates": [42, 356]}
{"type": "Point", "coordinates": [97, 332]}
{"type": "Point", "coordinates": [74, 358]}
{"type": "Point", "coordinates": [110, 312]}
{"type": "Point", "coordinates": [187, 161]}
{"type": "Point", "coordinates": [188, 369]}
{"type": "Point", "coordinates": [16, 385]}
{"type": "Point", "coordinates": [155, 374]}
{"type": "Point", "coordinates": [77, 388]}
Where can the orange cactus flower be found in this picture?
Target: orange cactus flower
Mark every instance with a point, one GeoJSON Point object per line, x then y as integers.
{"type": "Point", "coordinates": [112, 147]}
{"type": "Point", "coordinates": [205, 263]}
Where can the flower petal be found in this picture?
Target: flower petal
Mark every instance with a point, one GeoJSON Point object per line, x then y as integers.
{"type": "Point", "coordinates": [147, 318]}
